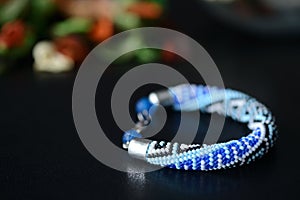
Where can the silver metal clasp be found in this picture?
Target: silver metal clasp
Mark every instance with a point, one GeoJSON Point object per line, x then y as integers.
{"type": "Point", "coordinates": [163, 97]}
{"type": "Point", "coordinates": [138, 148]}
{"type": "Point", "coordinates": [144, 120]}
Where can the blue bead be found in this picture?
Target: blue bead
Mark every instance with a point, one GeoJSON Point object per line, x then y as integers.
{"type": "Point", "coordinates": [205, 158]}
{"type": "Point", "coordinates": [129, 135]}
{"type": "Point", "coordinates": [232, 152]}
{"type": "Point", "coordinates": [172, 166]}
{"type": "Point", "coordinates": [142, 105]}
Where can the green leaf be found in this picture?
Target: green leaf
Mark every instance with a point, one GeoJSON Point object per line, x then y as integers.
{"type": "Point", "coordinates": [126, 21]}
{"type": "Point", "coordinates": [44, 6]}
{"type": "Point", "coordinates": [147, 55]}
{"type": "Point", "coordinates": [3, 50]}
{"type": "Point", "coordinates": [26, 48]}
{"type": "Point", "coordinates": [161, 2]}
{"type": "Point", "coordinates": [72, 26]}
{"type": "Point", "coordinates": [12, 10]}
{"type": "Point", "coordinates": [41, 10]}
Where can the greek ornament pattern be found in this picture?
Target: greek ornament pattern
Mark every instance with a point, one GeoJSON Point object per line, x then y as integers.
{"type": "Point", "coordinates": [230, 103]}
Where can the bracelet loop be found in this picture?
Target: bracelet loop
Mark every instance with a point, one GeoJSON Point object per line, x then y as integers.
{"type": "Point", "coordinates": [230, 103]}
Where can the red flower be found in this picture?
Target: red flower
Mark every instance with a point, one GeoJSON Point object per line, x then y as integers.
{"type": "Point", "coordinates": [73, 47]}
{"type": "Point", "coordinates": [13, 34]}
{"type": "Point", "coordinates": [168, 54]}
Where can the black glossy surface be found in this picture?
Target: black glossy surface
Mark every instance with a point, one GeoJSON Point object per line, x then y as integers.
{"type": "Point", "coordinates": [42, 157]}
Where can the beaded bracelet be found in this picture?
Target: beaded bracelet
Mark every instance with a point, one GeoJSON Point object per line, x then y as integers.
{"type": "Point", "coordinates": [230, 103]}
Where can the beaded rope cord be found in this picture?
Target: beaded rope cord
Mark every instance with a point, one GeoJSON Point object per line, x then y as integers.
{"type": "Point", "coordinates": [231, 103]}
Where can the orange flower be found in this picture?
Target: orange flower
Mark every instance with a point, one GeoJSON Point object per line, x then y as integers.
{"type": "Point", "coordinates": [102, 30]}
{"type": "Point", "coordinates": [72, 47]}
{"type": "Point", "coordinates": [147, 10]}
{"type": "Point", "coordinates": [13, 34]}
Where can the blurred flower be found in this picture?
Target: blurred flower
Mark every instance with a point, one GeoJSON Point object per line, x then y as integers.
{"type": "Point", "coordinates": [168, 54]}
{"type": "Point", "coordinates": [146, 10]}
{"type": "Point", "coordinates": [103, 29]}
{"type": "Point", "coordinates": [3, 1]}
{"type": "Point", "coordinates": [72, 47]}
{"type": "Point", "coordinates": [74, 27]}
{"type": "Point", "coordinates": [12, 34]}
{"type": "Point", "coordinates": [48, 59]}
{"type": "Point", "coordinates": [88, 8]}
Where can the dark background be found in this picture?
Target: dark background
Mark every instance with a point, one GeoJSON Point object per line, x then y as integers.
{"type": "Point", "coordinates": [41, 155]}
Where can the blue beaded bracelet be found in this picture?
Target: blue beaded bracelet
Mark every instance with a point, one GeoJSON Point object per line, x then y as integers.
{"type": "Point", "coordinates": [230, 103]}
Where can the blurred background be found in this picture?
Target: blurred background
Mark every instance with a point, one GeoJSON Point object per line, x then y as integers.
{"type": "Point", "coordinates": [254, 43]}
{"type": "Point", "coordinates": [40, 32]}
